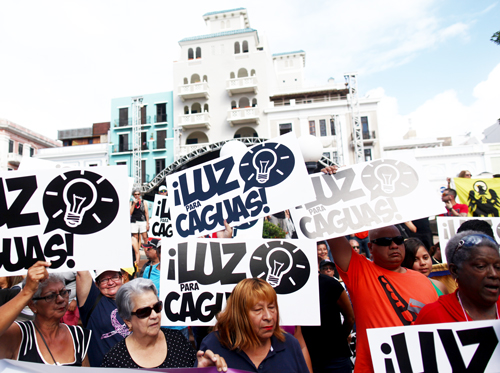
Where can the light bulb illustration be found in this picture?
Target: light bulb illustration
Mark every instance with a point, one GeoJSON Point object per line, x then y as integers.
{"type": "Point", "coordinates": [264, 161]}
{"type": "Point", "coordinates": [78, 201]}
{"type": "Point", "coordinates": [279, 261]}
{"type": "Point", "coordinates": [387, 174]}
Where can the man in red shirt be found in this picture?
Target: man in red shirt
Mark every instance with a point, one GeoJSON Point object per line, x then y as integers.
{"type": "Point", "coordinates": [454, 208]}
{"type": "Point", "coordinates": [383, 293]}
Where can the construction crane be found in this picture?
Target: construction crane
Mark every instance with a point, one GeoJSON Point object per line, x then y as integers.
{"type": "Point", "coordinates": [339, 141]}
{"type": "Point", "coordinates": [136, 140]}
{"type": "Point", "coordinates": [352, 83]}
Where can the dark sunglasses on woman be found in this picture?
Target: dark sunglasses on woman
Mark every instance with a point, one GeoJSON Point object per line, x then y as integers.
{"type": "Point", "coordinates": [144, 312]}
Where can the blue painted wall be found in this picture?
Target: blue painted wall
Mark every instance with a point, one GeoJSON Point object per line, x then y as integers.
{"type": "Point", "coordinates": [152, 150]}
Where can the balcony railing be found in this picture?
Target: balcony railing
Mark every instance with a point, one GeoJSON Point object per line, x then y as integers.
{"type": "Point", "coordinates": [14, 158]}
{"type": "Point", "coordinates": [243, 116]}
{"type": "Point", "coordinates": [194, 90]}
{"type": "Point", "coordinates": [128, 122]}
{"type": "Point", "coordinates": [241, 85]}
{"type": "Point", "coordinates": [198, 120]}
{"type": "Point", "coordinates": [146, 146]}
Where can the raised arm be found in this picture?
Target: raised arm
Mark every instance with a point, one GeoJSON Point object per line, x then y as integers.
{"type": "Point", "coordinates": [341, 252]}
{"type": "Point", "coordinates": [10, 333]}
{"type": "Point", "coordinates": [83, 285]}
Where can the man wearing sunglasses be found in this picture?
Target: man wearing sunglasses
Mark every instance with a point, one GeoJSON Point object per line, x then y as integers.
{"type": "Point", "coordinates": [454, 208]}
{"type": "Point", "coordinates": [98, 311]}
{"type": "Point", "coordinates": [382, 292]}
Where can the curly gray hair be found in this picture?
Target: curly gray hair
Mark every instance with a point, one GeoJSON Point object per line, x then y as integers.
{"type": "Point", "coordinates": [53, 277]}
{"type": "Point", "coordinates": [124, 296]}
{"type": "Point", "coordinates": [460, 248]}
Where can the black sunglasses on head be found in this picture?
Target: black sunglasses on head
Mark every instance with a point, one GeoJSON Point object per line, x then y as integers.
{"type": "Point", "coordinates": [142, 313]}
{"type": "Point", "coordinates": [386, 241]}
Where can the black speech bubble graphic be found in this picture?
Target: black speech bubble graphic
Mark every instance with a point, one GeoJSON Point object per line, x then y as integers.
{"type": "Point", "coordinates": [282, 264]}
{"type": "Point", "coordinates": [80, 202]}
{"type": "Point", "coordinates": [266, 165]}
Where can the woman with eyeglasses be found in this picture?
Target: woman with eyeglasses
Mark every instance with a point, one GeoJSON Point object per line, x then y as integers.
{"type": "Point", "coordinates": [474, 262]}
{"type": "Point", "coordinates": [148, 345]}
{"type": "Point", "coordinates": [44, 340]}
{"type": "Point", "coordinates": [418, 258]}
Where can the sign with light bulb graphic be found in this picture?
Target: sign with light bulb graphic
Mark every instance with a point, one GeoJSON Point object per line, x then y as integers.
{"type": "Point", "coordinates": [239, 188]}
{"type": "Point", "coordinates": [64, 216]}
{"type": "Point", "coordinates": [199, 274]}
{"type": "Point", "coordinates": [366, 196]}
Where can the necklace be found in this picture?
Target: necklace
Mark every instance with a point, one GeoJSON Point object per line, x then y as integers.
{"type": "Point", "coordinates": [46, 345]}
{"type": "Point", "coordinates": [467, 312]}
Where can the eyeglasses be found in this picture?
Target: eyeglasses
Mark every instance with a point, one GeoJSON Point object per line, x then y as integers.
{"type": "Point", "coordinates": [137, 194]}
{"type": "Point", "coordinates": [470, 241]}
{"type": "Point", "coordinates": [64, 293]}
{"type": "Point", "coordinates": [142, 313]}
{"type": "Point", "coordinates": [467, 175]}
{"type": "Point", "coordinates": [386, 241]}
{"type": "Point", "coordinates": [355, 247]}
{"type": "Point", "coordinates": [107, 279]}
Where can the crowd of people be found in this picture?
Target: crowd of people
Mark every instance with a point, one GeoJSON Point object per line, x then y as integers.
{"type": "Point", "coordinates": [375, 279]}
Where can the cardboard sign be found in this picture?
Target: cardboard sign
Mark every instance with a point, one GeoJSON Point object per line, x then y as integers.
{"type": "Point", "coordinates": [363, 197]}
{"type": "Point", "coordinates": [66, 216]}
{"type": "Point", "coordinates": [448, 226]}
{"type": "Point", "coordinates": [239, 188]}
{"type": "Point", "coordinates": [160, 223]}
{"type": "Point", "coordinates": [200, 274]}
{"type": "Point", "coordinates": [481, 195]}
{"type": "Point", "coordinates": [449, 347]}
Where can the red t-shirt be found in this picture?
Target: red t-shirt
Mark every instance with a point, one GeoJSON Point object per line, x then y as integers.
{"type": "Point", "coordinates": [461, 208]}
{"type": "Point", "coordinates": [446, 309]}
{"type": "Point", "coordinates": [382, 298]}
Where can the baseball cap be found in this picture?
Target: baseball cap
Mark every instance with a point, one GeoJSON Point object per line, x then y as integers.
{"type": "Point", "coordinates": [162, 188]}
{"type": "Point", "coordinates": [326, 262]}
{"type": "Point", "coordinates": [100, 272]}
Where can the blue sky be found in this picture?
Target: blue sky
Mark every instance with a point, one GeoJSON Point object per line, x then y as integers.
{"type": "Point", "coordinates": [430, 61]}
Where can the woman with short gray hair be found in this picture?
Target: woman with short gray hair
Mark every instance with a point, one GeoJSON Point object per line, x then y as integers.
{"type": "Point", "coordinates": [44, 340]}
{"type": "Point", "coordinates": [474, 262]}
{"type": "Point", "coordinates": [149, 346]}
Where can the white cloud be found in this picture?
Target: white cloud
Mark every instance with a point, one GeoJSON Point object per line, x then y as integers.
{"type": "Point", "coordinates": [444, 114]}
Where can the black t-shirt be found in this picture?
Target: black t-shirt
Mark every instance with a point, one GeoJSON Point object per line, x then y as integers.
{"type": "Point", "coordinates": [327, 341]}
{"type": "Point", "coordinates": [8, 294]}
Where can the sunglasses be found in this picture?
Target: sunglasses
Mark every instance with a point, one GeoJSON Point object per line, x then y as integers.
{"type": "Point", "coordinates": [355, 247]}
{"type": "Point", "coordinates": [64, 293]}
{"type": "Point", "coordinates": [471, 241]}
{"type": "Point", "coordinates": [142, 313]}
{"type": "Point", "coordinates": [386, 241]}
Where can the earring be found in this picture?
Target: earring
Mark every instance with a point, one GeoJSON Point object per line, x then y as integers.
{"type": "Point", "coordinates": [130, 328]}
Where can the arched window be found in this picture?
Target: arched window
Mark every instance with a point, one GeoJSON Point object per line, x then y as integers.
{"type": "Point", "coordinates": [222, 24]}
{"type": "Point", "coordinates": [186, 81]}
{"type": "Point", "coordinates": [254, 102]}
{"type": "Point", "coordinates": [198, 52]}
{"type": "Point", "coordinates": [196, 108]}
{"type": "Point", "coordinates": [186, 110]}
{"type": "Point", "coordinates": [242, 73]}
{"type": "Point", "coordinates": [205, 108]}
{"type": "Point", "coordinates": [244, 46]}
{"type": "Point", "coordinates": [244, 102]}
{"type": "Point", "coordinates": [197, 137]}
{"type": "Point", "coordinates": [190, 54]}
{"type": "Point", "coordinates": [245, 132]}
{"type": "Point", "coordinates": [233, 104]}
{"type": "Point", "coordinates": [231, 76]}
{"type": "Point", "coordinates": [195, 78]}
{"type": "Point", "coordinates": [252, 72]}
{"type": "Point", "coordinates": [205, 78]}
{"type": "Point", "coordinates": [228, 24]}
{"type": "Point", "coordinates": [237, 47]}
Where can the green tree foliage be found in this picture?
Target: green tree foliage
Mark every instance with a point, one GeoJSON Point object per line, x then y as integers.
{"type": "Point", "coordinates": [272, 231]}
{"type": "Point", "coordinates": [496, 38]}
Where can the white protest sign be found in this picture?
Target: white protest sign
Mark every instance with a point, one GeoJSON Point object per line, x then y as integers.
{"type": "Point", "coordinates": [252, 229]}
{"type": "Point", "coordinates": [239, 188]}
{"type": "Point", "coordinates": [448, 347]}
{"type": "Point", "coordinates": [448, 226]}
{"type": "Point", "coordinates": [160, 223]}
{"type": "Point", "coordinates": [200, 274]}
{"type": "Point", "coordinates": [363, 197]}
{"type": "Point", "coordinates": [66, 216]}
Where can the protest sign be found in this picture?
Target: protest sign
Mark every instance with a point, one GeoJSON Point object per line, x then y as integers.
{"type": "Point", "coordinates": [363, 197]}
{"type": "Point", "coordinates": [252, 229]}
{"type": "Point", "coordinates": [266, 179]}
{"type": "Point", "coordinates": [160, 223]}
{"type": "Point", "coordinates": [448, 347]}
{"type": "Point", "coordinates": [66, 216]}
{"type": "Point", "coordinates": [448, 226]}
{"type": "Point", "coordinates": [199, 274]}
{"type": "Point", "coordinates": [481, 195]}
